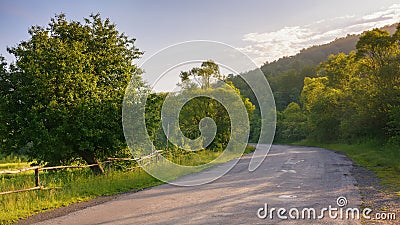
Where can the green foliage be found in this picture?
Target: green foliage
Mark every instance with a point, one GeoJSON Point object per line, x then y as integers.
{"type": "Point", "coordinates": [356, 95]}
{"type": "Point", "coordinates": [292, 124]}
{"type": "Point", "coordinates": [12, 158]}
{"type": "Point", "coordinates": [201, 107]}
{"type": "Point", "coordinates": [288, 85]}
{"type": "Point", "coordinates": [201, 76]}
{"type": "Point", "coordinates": [343, 69]}
{"type": "Point", "coordinates": [320, 103]}
{"type": "Point", "coordinates": [196, 84]}
{"type": "Point", "coordinates": [248, 95]}
{"type": "Point", "coordinates": [198, 108]}
{"type": "Point", "coordinates": [153, 119]}
{"type": "Point", "coordinates": [10, 163]}
{"type": "Point", "coordinates": [76, 186]}
{"type": "Point", "coordinates": [394, 125]}
{"type": "Point", "coordinates": [63, 96]}
{"type": "Point", "coordinates": [286, 77]}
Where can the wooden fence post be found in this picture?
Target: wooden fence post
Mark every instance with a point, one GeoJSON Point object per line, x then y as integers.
{"type": "Point", "coordinates": [37, 179]}
{"type": "Point", "coordinates": [109, 163]}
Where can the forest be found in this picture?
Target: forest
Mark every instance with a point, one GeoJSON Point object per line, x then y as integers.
{"type": "Point", "coordinates": [346, 91]}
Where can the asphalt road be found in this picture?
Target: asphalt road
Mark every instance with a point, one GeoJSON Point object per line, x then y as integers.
{"type": "Point", "coordinates": [290, 178]}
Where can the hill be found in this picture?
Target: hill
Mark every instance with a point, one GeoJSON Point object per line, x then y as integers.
{"type": "Point", "coordinates": [286, 75]}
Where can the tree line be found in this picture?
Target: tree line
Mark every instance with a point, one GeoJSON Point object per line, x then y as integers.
{"type": "Point", "coordinates": [346, 98]}
{"type": "Point", "coordinates": [201, 88]}
{"type": "Point", "coordinates": [356, 95]}
{"type": "Point", "coordinates": [61, 100]}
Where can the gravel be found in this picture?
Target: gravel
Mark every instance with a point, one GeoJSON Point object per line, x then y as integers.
{"type": "Point", "coordinates": [376, 196]}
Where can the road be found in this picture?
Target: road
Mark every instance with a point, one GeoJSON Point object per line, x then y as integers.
{"type": "Point", "coordinates": [290, 177]}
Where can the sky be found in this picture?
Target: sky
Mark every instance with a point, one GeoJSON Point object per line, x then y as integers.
{"type": "Point", "coordinates": [265, 30]}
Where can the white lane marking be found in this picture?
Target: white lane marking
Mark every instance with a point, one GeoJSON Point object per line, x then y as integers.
{"type": "Point", "coordinates": [288, 171]}
{"type": "Point", "coordinates": [293, 162]}
{"type": "Point", "coordinates": [287, 196]}
{"type": "Point", "coordinates": [296, 187]}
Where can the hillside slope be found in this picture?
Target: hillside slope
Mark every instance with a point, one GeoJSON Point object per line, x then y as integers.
{"type": "Point", "coordinates": [286, 74]}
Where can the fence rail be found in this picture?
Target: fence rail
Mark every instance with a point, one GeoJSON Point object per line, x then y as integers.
{"type": "Point", "coordinates": [37, 170]}
{"type": "Point", "coordinates": [19, 170]}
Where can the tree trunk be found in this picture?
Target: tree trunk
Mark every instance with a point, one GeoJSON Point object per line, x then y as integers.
{"type": "Point", "coordinates": [91, 159]}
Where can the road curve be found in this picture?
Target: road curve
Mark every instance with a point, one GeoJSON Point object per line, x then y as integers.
{"type": "Point", "coordinates": [290, 177]}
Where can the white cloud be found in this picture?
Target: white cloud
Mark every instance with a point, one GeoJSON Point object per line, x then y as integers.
{"type": "Point", "coordinates": [289, 41]}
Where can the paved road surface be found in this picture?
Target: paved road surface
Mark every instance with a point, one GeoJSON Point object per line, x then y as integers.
{"type": "Point", "coordinates": [300, 177]}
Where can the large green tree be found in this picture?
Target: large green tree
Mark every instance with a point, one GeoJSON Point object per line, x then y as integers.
{"type": "Point", "coordinates": [379, 53]}
{"type": "Point", "coordinates": [202, 76]}
{"type": "Point", "coordinates": [292, 124]}
{"type": "Point", "coordinates": [63, 96]}
{"type": "Point", "coordinates": [202, 81]}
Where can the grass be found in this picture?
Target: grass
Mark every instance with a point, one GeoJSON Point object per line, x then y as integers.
{"type": "Point", "coordinates": [77, 185]}
{"type": "Point", "coordinates": [11, 166]}
{"type": "Point", "coordinates": [193, 162]}
{"type": "Point", "coordinates": [382, 159]}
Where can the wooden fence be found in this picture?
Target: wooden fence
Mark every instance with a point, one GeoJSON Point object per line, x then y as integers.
{"type": "Point", "coordinates": [37, 169]}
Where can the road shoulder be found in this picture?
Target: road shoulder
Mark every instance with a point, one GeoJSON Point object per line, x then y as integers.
{"type": "Point", "coordinates": [374, 195]}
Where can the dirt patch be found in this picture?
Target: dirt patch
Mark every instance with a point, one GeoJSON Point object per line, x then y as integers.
{"type": "Point", "coordinates": [376, 196]}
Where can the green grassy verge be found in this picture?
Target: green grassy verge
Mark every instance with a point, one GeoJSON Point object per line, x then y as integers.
{"type": "Point", "coordinates": [197, 161]}
{"type": "Point", "coordinates": [383, 159]}
{"type": "Point", "coordinates": [77, 185]}
{"type": "Point", "coordinates": [11, 166]}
